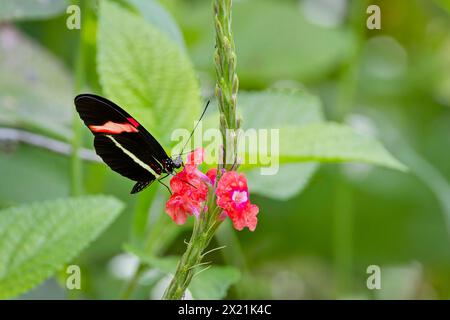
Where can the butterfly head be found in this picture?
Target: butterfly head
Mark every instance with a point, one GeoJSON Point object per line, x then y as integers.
{"type": "Point", "coordinates": [171, 164]}
{"type": "Point", "coordinates": [177, 162]}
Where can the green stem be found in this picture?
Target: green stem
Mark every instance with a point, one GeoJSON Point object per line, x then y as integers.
{"type": "Point", "coordinates": [131, 286]}
{"type": "Point", "coordinates": [226, 91]}
{"type": "Point", "coordinates": [76, 169]}
{"type": "Point", "coordinates": [227, 81]}
{"type": "Point", "coordinates": [343, 237]}
{"type": "Point", "coordinates": [138, 229]}
{"type": "Point", "coordinates": [187, 266]}
{"type": "Point", "coordinates": [76, 165]}
{"type": "Point", "coordinates": [161, 232]}
{"type": "Point", "coordinates": [204, 229]}
{"type": "Point", "coordinates": [233, 255]}
{"type": "Point", "coordinates": [80, 79]}
{"type": "Point", "coordinates": [149, 243]}
{"type": "Point", "coordinates": [141, 215]}
{"type": "Point", "coordinates": [348, 81]}
{"type": "Point", "coordinates": [343, 198]}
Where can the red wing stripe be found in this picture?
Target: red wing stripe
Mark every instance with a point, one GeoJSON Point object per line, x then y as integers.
{"type": "Point", "coordinates": [133, 122]}
{"type": "Point", "coordinates": [113, 127]}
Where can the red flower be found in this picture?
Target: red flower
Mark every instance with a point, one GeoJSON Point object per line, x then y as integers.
{"type": "Point", "coordinates": [212, 174]}
{"type": "Point", "coordinates": [233, 198]}
{"type": "Point", "coordinates": [195, 157]}
{"type": "Point", "coordinates": [180, 206]}
{"type": "Point", "coordinates": [189, 188]}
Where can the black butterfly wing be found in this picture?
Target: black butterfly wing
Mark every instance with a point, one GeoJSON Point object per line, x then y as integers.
{"type": "Point", "coordinates": [96, 110]}
{"type": "Point", "coordinates": [122, 163]}
{"type": "Point", "coordinates": [123, 144]}
{"type": "Point", "coordinates": [139, 186]}
{"type": "Point", "coordinates": [114, 156]}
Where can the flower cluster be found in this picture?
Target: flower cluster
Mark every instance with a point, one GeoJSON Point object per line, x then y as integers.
{"type": "Point", "coordinates": [233, 198]}
{"type": "Point", "coordinates": [190, 188]}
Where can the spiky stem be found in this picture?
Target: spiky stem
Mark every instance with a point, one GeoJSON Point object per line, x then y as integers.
{"type": "Point", "coordinates": [227, 85]}
{"type": "Point", "coordinates": [226, 91]}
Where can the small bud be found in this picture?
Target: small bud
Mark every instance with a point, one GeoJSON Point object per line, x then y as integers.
{"type": "Point", "coordinates": [231, 72]}
{"type": "Point", "coordinates": [219, 28]}
{"type": "Point", "coordinates": [235, 84]}
{"type": "Point", "coordinates": [233, 58]}
{"type": "Point", "coordinates": [221, 157]}
{"type": "Point", "coordinates": [223, 121]}
{"type": "Point", "coordinates": [234, 99]}
{"type": "Point", "coordinates": [218, 93]}
{"type": "Point", "coordinates": [217, 61]}
{"type": "Point", "coordinates": [239, 122]}
{"type": "Point", "coordinates": [230, 4]}
{"type": "Point", "coordinates": [226, 44]}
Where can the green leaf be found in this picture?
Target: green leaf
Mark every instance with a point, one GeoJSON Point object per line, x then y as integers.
{"type": "Point", "coordinates": [445, 4]}
{"type": "Point", "coordinates": [290, 180]}
{"type": "Point", "coordinates": [31, 9]}
{"type": "Point", "coordinates": [277, 108]}
{"type": "Point", "coordinates": [430, 176]}
{"type": "Point", "coordinates": [36, 91]}
{"type": "Point", "coordinates": [212, 283]}
{"type": "Point", "coordinates": [274, 42]}
{"type": "Point", "coordinates": [305, 139]}
{"type": "Point", "coordinates": [146, 72]}
{"type": "Point", "coordinates": [286, 29]}
{"type": "Point", "coordinates": [24, 170]}
{"type": "Point", "coordinates": [160, 18]}
{"type": "Point", "coordinates": [332, 142]}
{"type": "Point", "coordinates": [38, 239]}
{"type": "Point", "coordinates": [421, 167]}
{"type": "Point", "coordinates": [257, 110]}
{"type": "Point", "coordinates": [166, 264]}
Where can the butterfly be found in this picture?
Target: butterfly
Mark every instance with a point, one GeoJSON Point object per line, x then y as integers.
{"type": "Point", "coordinates": [124, 144]}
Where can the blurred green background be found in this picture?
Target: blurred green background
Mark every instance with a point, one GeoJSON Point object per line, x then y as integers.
{"type": "Point", "coordinates": [393, 84]}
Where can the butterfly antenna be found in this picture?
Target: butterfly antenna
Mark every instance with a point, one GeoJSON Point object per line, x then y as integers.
{"type": "Point", "coordinates": [196, 125]}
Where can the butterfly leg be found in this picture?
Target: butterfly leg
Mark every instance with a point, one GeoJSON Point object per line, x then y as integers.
{"type": "Point", "coordinates": [187, 182]}
{"type": "Point", "coordinates": [165, 185]}
{"type": "Point", "coordinates": [164, 176]}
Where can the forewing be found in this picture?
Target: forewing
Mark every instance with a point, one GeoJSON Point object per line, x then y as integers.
{"type": "Point", "coordinates": [103, 116]}
{"type": "Point", "coordinates": [123, 144]}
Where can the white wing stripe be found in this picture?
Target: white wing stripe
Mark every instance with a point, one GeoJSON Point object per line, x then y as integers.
{"type": "Point", "coordinates": [132, 156]}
